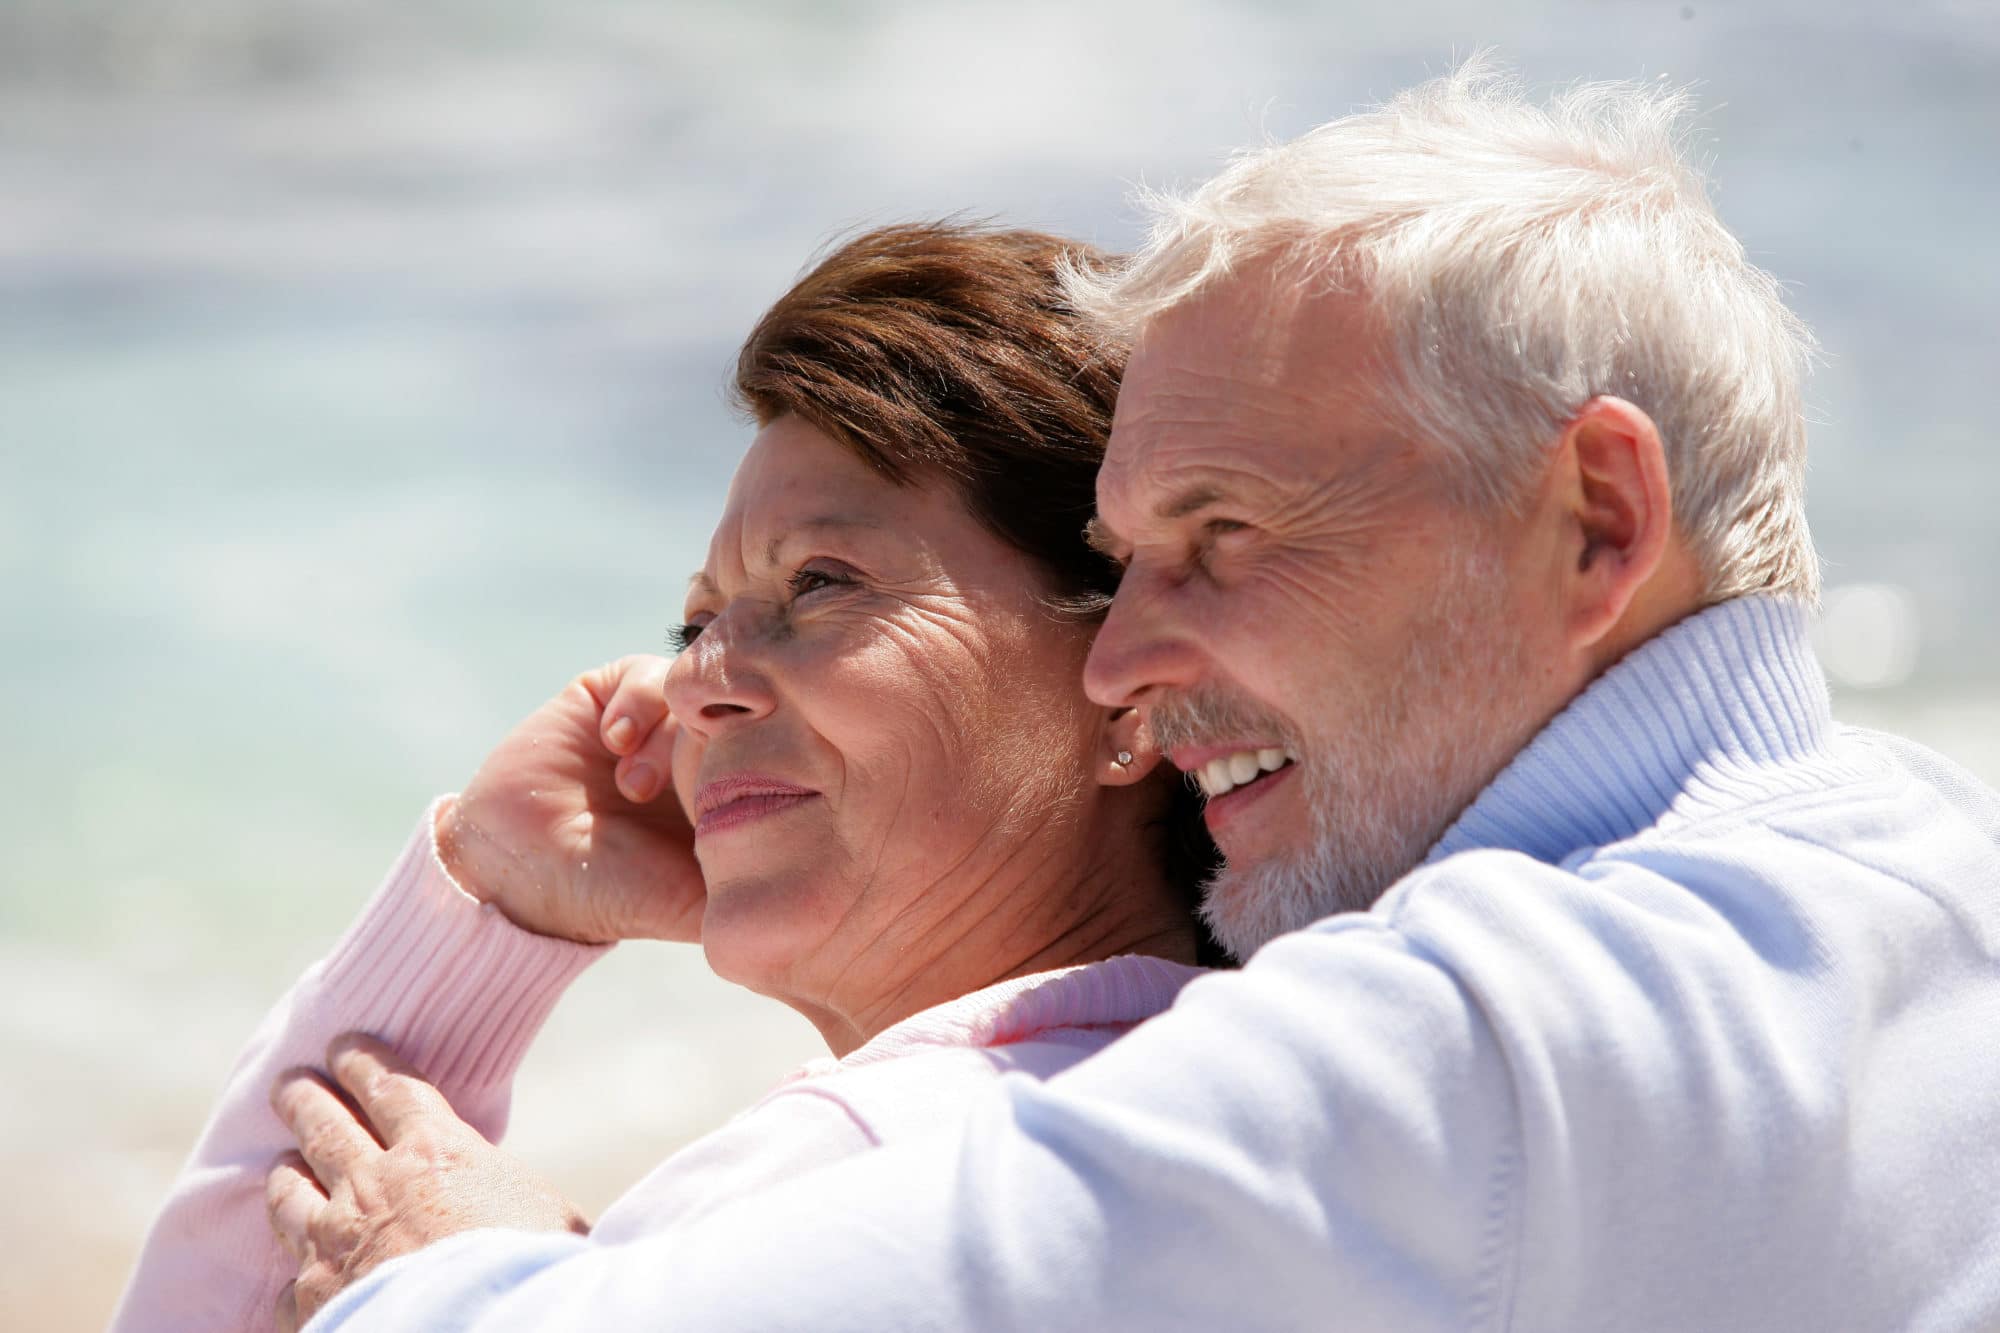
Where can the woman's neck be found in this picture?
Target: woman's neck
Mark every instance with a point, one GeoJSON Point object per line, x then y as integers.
{"type": "Point", "coordinates": [1010, 921]}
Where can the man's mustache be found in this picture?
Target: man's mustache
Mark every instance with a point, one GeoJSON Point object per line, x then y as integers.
{"type": "Point", "coordinates": [1207, 715]}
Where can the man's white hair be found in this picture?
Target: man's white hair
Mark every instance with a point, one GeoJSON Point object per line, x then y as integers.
{"type": "Point", "coordinates": [1526, 258]}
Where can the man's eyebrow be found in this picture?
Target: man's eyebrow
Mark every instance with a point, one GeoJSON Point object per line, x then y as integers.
{"type": "Point", "coordinates": [1188, 501]}
{"type": "Point", "coordinates": [1099, 537]}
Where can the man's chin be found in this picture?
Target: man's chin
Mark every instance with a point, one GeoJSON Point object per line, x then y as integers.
{"type": "Point", "coordinates": [1245, 906]}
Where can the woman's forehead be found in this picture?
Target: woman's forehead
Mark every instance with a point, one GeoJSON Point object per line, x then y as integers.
{"type": "Point", "coordinates": [805, 495]}
{"type": "Point", "coordinates": [798, 485]}
{"type": "Point", "coordinates": [793, 469]}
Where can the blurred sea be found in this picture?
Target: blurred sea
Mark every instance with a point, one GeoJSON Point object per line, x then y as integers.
{"type": "Point", "coordinates": [361, 379]}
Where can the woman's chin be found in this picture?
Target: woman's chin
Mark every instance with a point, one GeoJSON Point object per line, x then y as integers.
{"type": "Point", "coordinates": [756, 932]}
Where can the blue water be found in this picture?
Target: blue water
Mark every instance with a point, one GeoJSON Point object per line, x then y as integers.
{"type": "Point", "coordinates": [361, 370]}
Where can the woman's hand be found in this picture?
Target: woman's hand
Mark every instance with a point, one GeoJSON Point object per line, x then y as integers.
{"type": "Point", "coordinates": [400, 1173]}
{"type": "Point", "coordinates": [571, 826]}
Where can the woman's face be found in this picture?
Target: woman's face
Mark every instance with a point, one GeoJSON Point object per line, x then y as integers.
{"type": "Point", "coordinates": [878, 724]}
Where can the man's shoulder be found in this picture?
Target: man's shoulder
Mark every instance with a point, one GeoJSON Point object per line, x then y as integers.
{"type": "Point", "coordinates": [1811, 886]}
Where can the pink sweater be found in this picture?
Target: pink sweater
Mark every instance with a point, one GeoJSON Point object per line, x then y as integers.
{"type": "Point", "coordinates": [461, 992]}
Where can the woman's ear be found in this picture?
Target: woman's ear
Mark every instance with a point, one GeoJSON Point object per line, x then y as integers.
{"type": "Point", "coordinates": [1126, 753]}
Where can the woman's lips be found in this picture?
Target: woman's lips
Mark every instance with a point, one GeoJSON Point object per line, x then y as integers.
{"type": "Point", "coordinates": [732, 802]}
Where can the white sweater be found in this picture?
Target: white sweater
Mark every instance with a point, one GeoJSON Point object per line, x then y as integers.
{"type": "Point", "coordinates": [1688, 1023]}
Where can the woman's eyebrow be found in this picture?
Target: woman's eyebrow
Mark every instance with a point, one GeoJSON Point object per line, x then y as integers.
{"type": "Point", "coordinates": [822, 523]}
{"type": "Point", "coordinates": [700, 582]}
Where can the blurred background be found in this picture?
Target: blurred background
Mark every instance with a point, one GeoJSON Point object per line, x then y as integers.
{"type": "Point", "coordinates": [361, 374]}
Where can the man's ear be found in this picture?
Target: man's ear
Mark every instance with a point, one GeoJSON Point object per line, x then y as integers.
{"type": "Point", "coordinates": [1126, 752]}
{"type": "Point", "coordinates": [1618, 512]}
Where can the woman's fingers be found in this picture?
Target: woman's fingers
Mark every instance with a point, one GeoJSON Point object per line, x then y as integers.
{"type": "Point", "coordinates": [637, 703]}
{"type": "Point", "coordinates": [292, 1198]}
{"type": "Point", "coordinates": [647, 771]}
{"type": "Point", "coordinates": [329, 1136]}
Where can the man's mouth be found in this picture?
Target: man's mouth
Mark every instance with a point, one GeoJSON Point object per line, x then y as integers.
{"type": "Point", "coordinates": [1226, 772]}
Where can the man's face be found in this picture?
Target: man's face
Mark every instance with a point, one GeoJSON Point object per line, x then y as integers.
{"type": "Point", "coordinates": [1306, 605]}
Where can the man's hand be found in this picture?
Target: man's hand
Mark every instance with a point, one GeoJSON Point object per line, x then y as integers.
{"type": "Point", "coordinates": [394, 1176]}
{"type": "Point", "coordinates": [572, 827]}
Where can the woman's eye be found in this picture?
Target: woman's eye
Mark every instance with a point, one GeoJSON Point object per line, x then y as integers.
{"type": "Point", "coordinates": [680, 636]}
{"type": "Point", "coordinates": [814, 580]}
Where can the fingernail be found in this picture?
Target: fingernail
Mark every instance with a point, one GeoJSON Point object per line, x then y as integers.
{"type": "Point", "coordinates": [642, 781]}
{"type": "Point", "coordinates": [619, 733]}
{"type": "Point", "coordinates": [282, 1082]}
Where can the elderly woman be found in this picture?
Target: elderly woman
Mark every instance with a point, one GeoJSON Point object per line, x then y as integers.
{"type": "Point", "coordinates": [869, 784]}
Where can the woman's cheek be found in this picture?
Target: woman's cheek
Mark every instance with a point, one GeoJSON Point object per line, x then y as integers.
{"type": "Point", "coordinates": [686, 764]}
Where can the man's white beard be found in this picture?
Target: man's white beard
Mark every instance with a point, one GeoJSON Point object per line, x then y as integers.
{"type": "Point", "coordinates": [1385, 779]}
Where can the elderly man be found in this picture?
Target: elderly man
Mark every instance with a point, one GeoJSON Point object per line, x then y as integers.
{"type": "Point", "coordinates": [1605, 981]}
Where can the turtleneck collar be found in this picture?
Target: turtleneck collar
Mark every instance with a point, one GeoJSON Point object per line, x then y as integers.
{"type": "Point", "coordinates": [1728, 703]}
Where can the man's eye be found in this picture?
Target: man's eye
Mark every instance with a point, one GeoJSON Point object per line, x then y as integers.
{"type": "Point", "coordinates": [680, 636]}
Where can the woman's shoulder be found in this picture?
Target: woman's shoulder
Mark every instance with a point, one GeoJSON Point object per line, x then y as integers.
{"type": "Point", "coordinates": [922, 1071]}
{"type": "Point", "coordinates": [916, 1076]}
{"type": "Point", "coordinates": [1116, 992]}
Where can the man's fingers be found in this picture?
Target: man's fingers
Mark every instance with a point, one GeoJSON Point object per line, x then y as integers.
{"type": "Point", "coordinates": [389, 1090]}
{"type": "Point", "coordinates": [328, 1133]}
{"type": "Point", "coordinates": [637, 703]}
{"type": "Point", "coordinates": [293, 1199]}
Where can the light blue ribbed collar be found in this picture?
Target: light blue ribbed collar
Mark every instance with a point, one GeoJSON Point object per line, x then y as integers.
{"type": "Point", "coordinates": [1725, 707]}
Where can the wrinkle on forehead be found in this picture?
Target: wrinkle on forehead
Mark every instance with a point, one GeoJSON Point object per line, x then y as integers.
{"type": "Point", "coordinates": [1251, 386]}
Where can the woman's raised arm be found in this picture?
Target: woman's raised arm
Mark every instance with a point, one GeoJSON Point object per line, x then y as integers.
{"type": "Point", "coordinates": [502, 897]}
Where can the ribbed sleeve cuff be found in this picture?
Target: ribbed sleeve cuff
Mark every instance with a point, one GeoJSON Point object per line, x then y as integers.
{"type": "Point", "coordinates": [464, 988]}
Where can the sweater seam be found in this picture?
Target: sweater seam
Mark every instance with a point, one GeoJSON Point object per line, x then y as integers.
{"type": "Point", "coordinates": [1498, 1283]}
{"type": "Point", "coordinates": [1497, 1286]}
{"type": "Point", "coordinates": [854, 1117]}
{"type": "Point", "coordinates": [1501, 1281]}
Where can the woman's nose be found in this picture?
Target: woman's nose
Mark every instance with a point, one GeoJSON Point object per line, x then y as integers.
{"type": "Point", "coordinates": [715, 685]}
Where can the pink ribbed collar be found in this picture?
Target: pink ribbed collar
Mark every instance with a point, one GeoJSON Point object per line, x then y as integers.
{"type": "Point", "coordinates": [1126, 989]}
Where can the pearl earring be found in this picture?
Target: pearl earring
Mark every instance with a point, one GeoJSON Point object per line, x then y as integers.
{"type": "Point", "coordinates": [1124, 758]}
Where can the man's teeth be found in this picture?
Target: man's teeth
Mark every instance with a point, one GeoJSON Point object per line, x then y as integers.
{"type": "Point", "coordinates": [1225, 773]}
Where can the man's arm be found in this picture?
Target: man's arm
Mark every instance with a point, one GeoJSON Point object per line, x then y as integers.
{"type": "Point", "coordinates": [1325, 1138]}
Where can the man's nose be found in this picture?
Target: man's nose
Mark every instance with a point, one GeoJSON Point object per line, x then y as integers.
{"type": "Point", "coordinates": [1144, 646]}
{"type": "Point", "coordinates": [716, 683]}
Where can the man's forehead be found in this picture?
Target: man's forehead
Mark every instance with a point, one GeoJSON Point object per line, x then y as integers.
{"type": "Point", "coordinates": [1166, 485]}
{"type": "Point", "coordinates": [1247, 384]}
{"type": "Point", "coordinates": [1188, 451]}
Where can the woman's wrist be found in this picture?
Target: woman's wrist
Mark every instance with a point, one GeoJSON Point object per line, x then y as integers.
{"type": "Point", "coordinates": [458, 845]}
{"type": "Point", "coordinates": [484, 867]}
